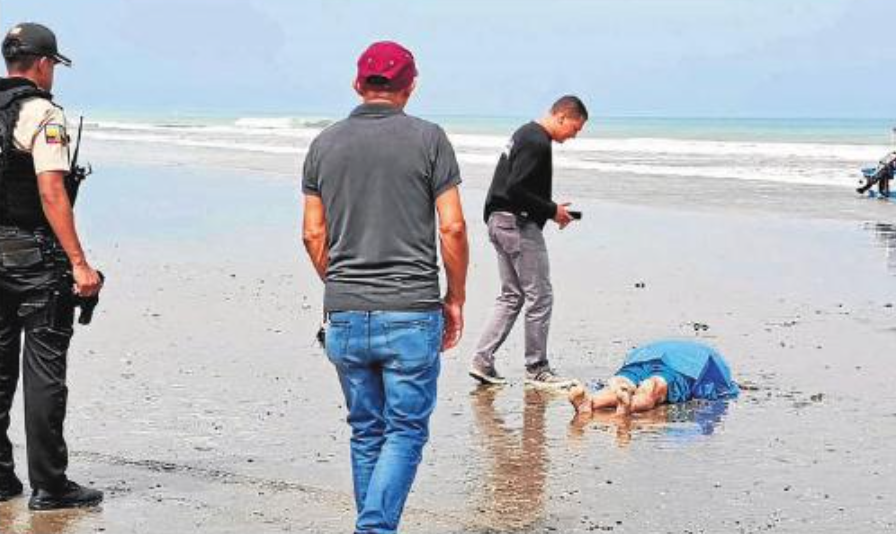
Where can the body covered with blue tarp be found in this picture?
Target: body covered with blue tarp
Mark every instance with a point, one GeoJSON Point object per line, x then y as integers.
{"type": "Point", "coordinates": [706, 371]}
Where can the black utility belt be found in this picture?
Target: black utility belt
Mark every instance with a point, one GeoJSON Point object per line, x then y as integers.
{"type": "Point", "coordinates": [12, 245]}
{"type": "Point", "coordinates": [7, 229]}
{"type": "Point", "coordinates": [17, 242]}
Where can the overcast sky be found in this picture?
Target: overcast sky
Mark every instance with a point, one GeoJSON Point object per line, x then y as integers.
{"type": "Point", "coordinates": [716, 58]}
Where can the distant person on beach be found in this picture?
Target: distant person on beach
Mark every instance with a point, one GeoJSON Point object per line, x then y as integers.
{"type": "Point", "coordinates": [880, 176]}
{"type": "Point", "coordinates": [41, 259]}
{"type": "Point", "coordinates": [373, 186]}
{"type": "Point", "coordinates": [518, 205]}
{"type": "Point", "coordinates": [657, 373]}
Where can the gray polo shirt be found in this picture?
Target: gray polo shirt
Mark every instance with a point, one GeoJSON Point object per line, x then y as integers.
{"type": "Point", "coordinates": [378, 173]}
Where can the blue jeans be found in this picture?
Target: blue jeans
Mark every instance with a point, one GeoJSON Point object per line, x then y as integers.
{"type": "Point", "coordinates": [388, 365]}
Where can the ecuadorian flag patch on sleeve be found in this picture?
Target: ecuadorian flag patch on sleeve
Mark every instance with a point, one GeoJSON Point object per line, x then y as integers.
{"type": "Point", "coordinates": [55, 134]}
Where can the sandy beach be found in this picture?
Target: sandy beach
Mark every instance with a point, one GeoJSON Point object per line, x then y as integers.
{"type": "Point", "coordinates": [199, 402]}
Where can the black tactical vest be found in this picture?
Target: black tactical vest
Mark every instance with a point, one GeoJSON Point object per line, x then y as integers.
{"type": "Point", "coordinates": [20, 203]}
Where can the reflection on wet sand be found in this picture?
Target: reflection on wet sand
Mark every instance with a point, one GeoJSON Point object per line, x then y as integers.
{"type": "Point", "coordinates": [15, 518]}
{"type": "Point", "coordinates": [886, 236]}
{"type": "Point", "coordinates": [510, 493]}
{"type": "Point", "coordinates": [669, 422]}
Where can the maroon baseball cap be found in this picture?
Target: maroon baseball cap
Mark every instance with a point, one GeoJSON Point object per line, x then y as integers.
{"type": "Point", "coordinates": [388, 65]}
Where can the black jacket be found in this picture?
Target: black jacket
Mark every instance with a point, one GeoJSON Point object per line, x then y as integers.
{"type": "Point", "coordinates": [523, 179]}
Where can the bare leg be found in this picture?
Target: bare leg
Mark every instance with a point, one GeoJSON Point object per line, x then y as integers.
{"type": "Point", "coordinates": [603, 399]}
{"type": "Point", "coordinates": [607, 397]}
{"type": "Point", "coordinates": [650, 394]}
{"type": "Point", "coordinates": [623, 389]}
{"type": "Point", "coordinates": [580, 399]}
{"type": "Point", "coordinates": [624, 399]}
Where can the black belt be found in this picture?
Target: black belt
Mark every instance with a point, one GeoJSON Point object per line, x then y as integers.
{"type": "Point", "coordinates": [35, 229]}
{"type": "Point", "coordinates": [15, 234]}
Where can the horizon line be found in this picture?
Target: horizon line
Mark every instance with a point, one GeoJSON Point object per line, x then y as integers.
{"type": "Point", "coordinates": [330, 114]}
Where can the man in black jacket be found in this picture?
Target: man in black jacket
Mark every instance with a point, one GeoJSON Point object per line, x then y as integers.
{"type": "Point", "coordinates": [518, 206]}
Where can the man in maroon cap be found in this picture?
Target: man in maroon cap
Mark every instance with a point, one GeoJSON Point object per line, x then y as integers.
{"type": "Point", "coordinates": [373, 186]}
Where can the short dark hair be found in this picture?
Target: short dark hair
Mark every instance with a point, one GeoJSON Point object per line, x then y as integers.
{"type": "Point", "coordinates": [21, 62]}
{"type": "Point", "coordinates": [570, 105]}
{"type": "Point", "coordinates": [379, 84]}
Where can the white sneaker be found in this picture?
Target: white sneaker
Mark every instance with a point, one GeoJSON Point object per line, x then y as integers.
{"type": "Point", "coordinates": [547, 379]}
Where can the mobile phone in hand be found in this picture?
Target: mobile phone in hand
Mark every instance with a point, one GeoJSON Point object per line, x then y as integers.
{"type": "Point", "coordinates": [577, 215]}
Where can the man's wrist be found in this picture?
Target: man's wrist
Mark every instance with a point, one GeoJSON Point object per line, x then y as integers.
{"type": "Point", "coordinates": [455, 297]}
{"type": "Point", "coordinates": [79, 261]}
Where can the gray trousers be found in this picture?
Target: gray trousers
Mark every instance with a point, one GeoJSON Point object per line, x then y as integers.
{"type": "Point", "coordinates": [525, 279]}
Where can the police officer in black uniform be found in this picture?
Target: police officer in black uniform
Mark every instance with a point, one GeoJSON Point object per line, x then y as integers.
{"type": "Point", "coordinates": [43, 268]}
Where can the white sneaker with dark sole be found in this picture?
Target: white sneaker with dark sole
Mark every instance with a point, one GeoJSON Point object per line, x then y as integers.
{"type": "Point", "coordinates": [547, 379]}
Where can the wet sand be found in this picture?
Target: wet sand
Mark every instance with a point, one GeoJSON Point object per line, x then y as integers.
{"type": "Point", "coordinates": [199, 403]}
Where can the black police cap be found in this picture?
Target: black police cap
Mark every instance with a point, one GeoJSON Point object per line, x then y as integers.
{"type": "Point", "coordinates": [32, 39]}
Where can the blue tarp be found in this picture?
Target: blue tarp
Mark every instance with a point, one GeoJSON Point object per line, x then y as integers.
{"type": "Point", "coordinates": [699, 362]}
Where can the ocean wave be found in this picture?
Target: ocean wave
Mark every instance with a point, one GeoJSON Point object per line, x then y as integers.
{"type": "Point", "coordinates": [281, 123]}
{"type": "Point", "coordinates": [649, 145]}
{"type": "Point", "coordinates": [197, 143]}
{"type": "Point", "coordinates": [198, 130]}
{"type": "Point", "coordinates": [837, 175]}
{"type": "Point", "coordinates": [799, 163]}
{"type": "Point", "coordinates": [308, 128]}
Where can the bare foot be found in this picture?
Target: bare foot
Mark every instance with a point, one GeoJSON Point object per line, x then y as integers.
{"type": "Point", "coordinates": [580, 400]}
{"type": "Point", "coordinates": [623, 401]}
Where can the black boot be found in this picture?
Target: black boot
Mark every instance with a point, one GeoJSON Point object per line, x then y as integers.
{"type": "Point", "coordinates": [71, 495]}
{"type": "Point", "coordinates": [10, 487]}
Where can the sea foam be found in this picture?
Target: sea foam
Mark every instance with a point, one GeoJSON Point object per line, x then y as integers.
{"type": "Point", "coordinates": [613, 158]}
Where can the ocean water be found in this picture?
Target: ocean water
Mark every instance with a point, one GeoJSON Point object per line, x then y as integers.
{"type": "Point", "coordinates": [796, 151]}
